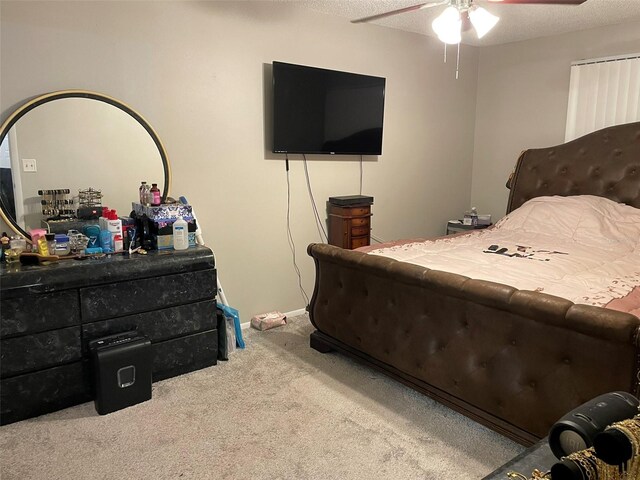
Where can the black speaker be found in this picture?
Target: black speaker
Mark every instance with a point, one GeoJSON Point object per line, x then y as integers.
{"type": "Point", "coordinates": [122, 366]}
{"type": "Point", "coordinates": [578, 428]}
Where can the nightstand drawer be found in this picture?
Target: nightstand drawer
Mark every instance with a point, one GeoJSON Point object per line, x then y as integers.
{"type": "Point", "coordinates": [360, 222]}
{"type": "Point", "coordinates": [358, 211]}
{"type": "Point", "coordinates": [356, 231]}
{"type": "Point", "coordinates": [350, 211]}
{"type": "Point", "coordinates": [360, 242]}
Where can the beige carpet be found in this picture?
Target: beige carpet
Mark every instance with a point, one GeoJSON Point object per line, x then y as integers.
{"type": "Point", "coordinates": [277, 410]}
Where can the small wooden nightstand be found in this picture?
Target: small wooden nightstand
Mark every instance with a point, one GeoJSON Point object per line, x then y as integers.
{"type": "Point", "coordinates": [349, 225]}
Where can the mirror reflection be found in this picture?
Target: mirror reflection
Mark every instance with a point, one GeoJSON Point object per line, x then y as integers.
{"type": "Point", "coordinates": [75, 144]}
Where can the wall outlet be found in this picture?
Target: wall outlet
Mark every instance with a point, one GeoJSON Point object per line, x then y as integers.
{"type": "Point", "coordinates": [29, 165]}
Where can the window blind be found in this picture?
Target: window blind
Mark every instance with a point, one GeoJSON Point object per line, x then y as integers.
{"type": "Point", "coordinates": [603, 92]}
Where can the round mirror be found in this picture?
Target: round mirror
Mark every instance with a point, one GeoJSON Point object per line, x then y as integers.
{"type": "Point", "coordinates": [73, 141]}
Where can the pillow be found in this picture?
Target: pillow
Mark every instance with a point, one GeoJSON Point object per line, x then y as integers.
{"type": "Point", "coordinates": [585, 219]}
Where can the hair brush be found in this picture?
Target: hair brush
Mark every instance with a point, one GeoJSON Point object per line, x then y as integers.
{"type": "Point", "coordinates": [36, 259]}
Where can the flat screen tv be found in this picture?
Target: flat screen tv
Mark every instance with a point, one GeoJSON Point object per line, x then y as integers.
{"type": "Point", "coordinates": [326, 111]}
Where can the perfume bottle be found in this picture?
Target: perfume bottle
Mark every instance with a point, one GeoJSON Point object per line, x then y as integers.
{"type": "Point", "coordinates": [156, 199]}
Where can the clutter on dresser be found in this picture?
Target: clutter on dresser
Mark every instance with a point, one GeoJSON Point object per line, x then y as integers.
{"type": "Point", "coordinates": [95, 229]}
{"type": "Point", "coordinates": [156, 223]}
{"type": "Point", "coordinates": [57, 204]}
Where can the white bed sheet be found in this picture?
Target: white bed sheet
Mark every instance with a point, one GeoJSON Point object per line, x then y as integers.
{"type": "Point", "coordinates": [583, 248]}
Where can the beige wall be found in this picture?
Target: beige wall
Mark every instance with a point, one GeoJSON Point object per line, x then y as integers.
{"type": "Point", "coordinates": [522, 101]}
{"type": "Point", "coordinates": [197, 71]}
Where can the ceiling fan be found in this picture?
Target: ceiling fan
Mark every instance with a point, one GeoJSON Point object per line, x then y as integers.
{"type": "Point", "coordinates": [461, 15]}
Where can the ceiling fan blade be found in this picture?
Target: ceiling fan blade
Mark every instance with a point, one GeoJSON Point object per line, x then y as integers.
{"type": "Point", "coordinates": [540, 2]}
{"type": "Point", "coordinates": [412, 8]}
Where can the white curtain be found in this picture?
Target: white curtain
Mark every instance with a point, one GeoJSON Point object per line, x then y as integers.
{"type": "Point", "coordinates": [602, 93]}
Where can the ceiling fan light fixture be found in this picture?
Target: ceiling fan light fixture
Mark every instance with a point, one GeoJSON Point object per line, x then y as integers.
{"type": "Point", "coordinates": [482, 20]}
{"type": "Point", "coordinates": [448, 25]}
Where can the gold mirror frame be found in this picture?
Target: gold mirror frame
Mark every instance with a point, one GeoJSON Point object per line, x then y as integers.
{"type": "Point", "coordinates": [49, 97]}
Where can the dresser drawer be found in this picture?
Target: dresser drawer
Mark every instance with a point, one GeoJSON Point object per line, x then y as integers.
{"type": "Point", "coordinates": [184, 354]}
{"type": "Point", "coordinates": [360, 222]}
{"type": "Point", "coordinates": [48, 390]}
{"type": "Point", "coordinates": [40, 350]}
{"type": "Point", "coordinates": [147, 294]}
{"type": "Point", "coordinates": [159, 325]}
{"type": "Point", "coordinates": [358, 242]}
{"type": "Point", "coordinates": [358, 231]}
{"type": "Point", "coordinates": [37, 313]}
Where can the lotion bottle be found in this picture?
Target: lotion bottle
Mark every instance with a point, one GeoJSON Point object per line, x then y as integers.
{"type": "Point", "coordinates": [114, 224]}
{"type": "Point", "coordinates": [180, 234]}
{"type": "Point", "coordinates": [106, 241]}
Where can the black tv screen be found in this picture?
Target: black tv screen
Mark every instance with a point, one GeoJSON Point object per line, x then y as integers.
{"type": "Point", "coordinates": [325, 111]}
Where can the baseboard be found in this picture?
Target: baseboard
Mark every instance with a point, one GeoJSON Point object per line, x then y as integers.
{"type": "Point", "coordinates": [295, 313]}
{"type": "Point", "coordinates": [292, 313]}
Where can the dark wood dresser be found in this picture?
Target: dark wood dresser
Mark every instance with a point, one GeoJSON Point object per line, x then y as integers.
{"type": "Point", "coordinates": [48, 315]}
{"type": "Point", "coordinates": [349, 225]}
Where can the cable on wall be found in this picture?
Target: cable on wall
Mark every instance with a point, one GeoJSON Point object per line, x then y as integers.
{"type": "Point", "coordinates": [292, 245]}
{"type": "Point", "coordinates": [360, 174]}
{"type": "Point", "coordinates": [316, 215]}
{"type": "Point", "coordinates": [377, 239]}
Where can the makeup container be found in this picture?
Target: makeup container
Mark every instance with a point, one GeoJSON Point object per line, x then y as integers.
{"type": "Point", "coordinates": [62, 245]}
{"type": "Point", "coordinates": [51, 243]}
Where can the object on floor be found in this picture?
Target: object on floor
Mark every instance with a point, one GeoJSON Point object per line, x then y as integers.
{"type": "Point", "coordinates": [232, 313]}
{"type": "Point", "coordinates": [223, 351]}
{"type": "Point", "coordinates": [265, 321]}
{"type": "Point", "coordinates": [121, 371]}
{"type": "Point", "coordinates": [231, 335]}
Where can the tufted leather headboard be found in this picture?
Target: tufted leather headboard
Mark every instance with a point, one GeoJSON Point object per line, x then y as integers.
{"type": "Point", "coordinates": [605, 163]}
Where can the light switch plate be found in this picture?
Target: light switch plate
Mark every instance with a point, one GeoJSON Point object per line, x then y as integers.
{"type": "Point", "coordinates": [29, 165]}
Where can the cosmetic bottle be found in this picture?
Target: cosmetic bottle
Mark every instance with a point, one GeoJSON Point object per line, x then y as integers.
{"type": "Point", "coordinates": [474, 216]}
{"type": "Point", "coordinates": [106, 241]}
{"type": "Point", "coordinates": [43, 248]}
{"type": "Point", "coordinates": [92, 232]}
{"type": "Point", "coordinates": [155, 195]}
{"type": "Point", "coordinates": [118, 243]}
{"type": "Point", "coordinates": [114, 224]}
{"type": "Point", "coordinates": [142, 192]}
{"type": "Point", "coordinates": [103, 218]}
{"type": "Point", "coordinates": [146, 195]}
{"type": "Point", "coordinates": [4, 240]}
{"type": "Point", "coordinates": [36, 233]}
{"type": "Point", "coordinates": [180, 234]}
{"type": "Point", "coordinates": [62, 245]}
{"type": "Point", "coordinates": [51, 243]}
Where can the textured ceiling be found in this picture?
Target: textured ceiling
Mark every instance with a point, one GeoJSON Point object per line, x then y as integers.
{"type": "Point", "coordinates": [517, 22]}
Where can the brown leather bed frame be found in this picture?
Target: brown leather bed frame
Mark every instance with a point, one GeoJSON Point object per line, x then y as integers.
{"type": "Point", "coordinates": [513, 360]}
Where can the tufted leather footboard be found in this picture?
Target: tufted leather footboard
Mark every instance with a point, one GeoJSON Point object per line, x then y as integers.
{"type": "Point", "coordinates": [513, 360]}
